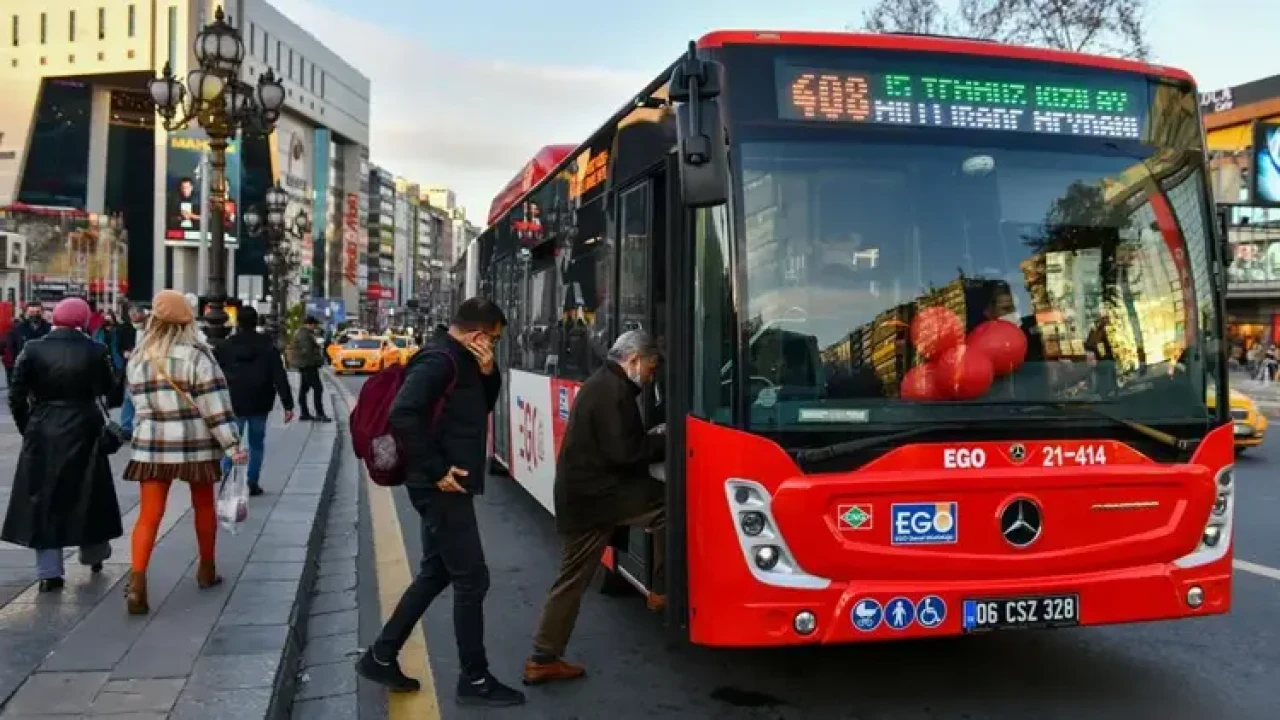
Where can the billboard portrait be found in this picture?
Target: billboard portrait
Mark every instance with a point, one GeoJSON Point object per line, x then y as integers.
{"type": "Point", "coordinates": [1266, 163]}
{"type": "Point", "coordinates": [182, 189]}
{"type": "Point", "coordinates": [294, 145]}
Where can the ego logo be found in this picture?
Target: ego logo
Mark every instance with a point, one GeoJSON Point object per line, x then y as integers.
{"type": "Point", "coordinates": [964, 458]}
{"type": "Point", "coordinates": [529, 434]}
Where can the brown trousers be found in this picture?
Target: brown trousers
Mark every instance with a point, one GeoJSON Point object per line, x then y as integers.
{"type": "Point", "coordinates": [579, 559]}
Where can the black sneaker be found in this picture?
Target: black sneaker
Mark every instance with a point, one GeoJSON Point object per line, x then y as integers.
{"type": "Point", "coordinates": [387, 674]}
{"type": "Point", "coordinates": [256, 490]}
{"type": "Point", "coordinates": [488, 692]}
{"type": "Point", "coordinates": [323, 418]}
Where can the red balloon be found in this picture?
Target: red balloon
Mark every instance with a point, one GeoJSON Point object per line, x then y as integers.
{"type": "Point", "coordinates": [936, 330]}
{"type": "Point", "coordinates": [1002, 342]}
{"type": "Point", "coordinates": [921, 383]}
{"type": "Point", "coordinates": [964, 374]}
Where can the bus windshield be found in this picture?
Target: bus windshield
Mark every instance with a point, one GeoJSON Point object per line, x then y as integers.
{"type": "Point", "coordinates": [1099, 259]}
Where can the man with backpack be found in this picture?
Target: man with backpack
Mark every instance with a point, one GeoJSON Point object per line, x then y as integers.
{"type": "Point", "coordinates": [440, 422]}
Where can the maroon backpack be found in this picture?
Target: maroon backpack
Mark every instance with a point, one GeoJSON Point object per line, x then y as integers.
{"type": "Point", "coordinates": [371, 435]}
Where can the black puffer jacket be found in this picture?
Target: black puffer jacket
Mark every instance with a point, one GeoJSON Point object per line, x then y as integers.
{"type": "Point", "coordinates": [461, 436]}
{"type": "Point", "coordinates": [255, 373]}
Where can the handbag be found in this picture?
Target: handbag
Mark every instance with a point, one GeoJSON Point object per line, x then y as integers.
{"type": "Point", "coordinates": [113, 435]}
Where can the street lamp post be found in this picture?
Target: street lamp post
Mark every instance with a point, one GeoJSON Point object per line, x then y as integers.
{"type": "Point", "coordinates": [278, 255]}
{"type": "Point", "coordinates": [223, 106]}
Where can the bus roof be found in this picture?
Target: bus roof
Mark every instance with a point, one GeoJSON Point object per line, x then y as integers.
{"type": "Point", "coordinates": [933, 43]}
{"type": "Point", "coordinates": [543, 163]}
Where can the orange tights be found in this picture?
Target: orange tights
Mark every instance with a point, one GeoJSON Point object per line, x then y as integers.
{"type": "Point", "coordinates": [155, 495]}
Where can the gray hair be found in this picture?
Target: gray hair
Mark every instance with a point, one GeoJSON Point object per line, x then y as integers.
{"type": "Point", "coordinates": [632, 343]}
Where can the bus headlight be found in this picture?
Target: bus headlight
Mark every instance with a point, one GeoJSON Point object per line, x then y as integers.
{"type": "Point", "coordinates": [766, 553]}
{"type": "Point", "coordinates": [1215, 539]}
{"type": "Point", "coordinates": [767, 557]}
{"type": "Point", "coordinates": [752, 522]}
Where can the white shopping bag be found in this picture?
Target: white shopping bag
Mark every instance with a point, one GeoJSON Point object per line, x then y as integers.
{"type": "Point", "coordinates": [233, 499]}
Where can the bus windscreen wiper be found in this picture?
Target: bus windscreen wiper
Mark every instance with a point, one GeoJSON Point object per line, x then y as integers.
{"type": "Point", "coordinates": [850, 447]}
{"type": "Point", "coordinates": [1153, 433]}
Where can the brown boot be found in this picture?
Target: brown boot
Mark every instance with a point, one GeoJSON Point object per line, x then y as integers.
{"type": "Point", "coordinates": [656, 602]}
{"type": "Point", "coordinates": [536, 673]}
{"type": "Point", "coordinates": [135, 594]}
{"type": "Point", "coordinates": [207, 575]}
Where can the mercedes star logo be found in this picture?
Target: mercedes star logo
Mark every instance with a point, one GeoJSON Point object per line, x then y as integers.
{"type": "Point", "coordinates": [1021, 522]}
{"type": "Point", "coordinates": [1018, 452]}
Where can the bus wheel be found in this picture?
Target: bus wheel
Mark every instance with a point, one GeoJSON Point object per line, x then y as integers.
{"type": "Point", "coordinates": [614, 585]}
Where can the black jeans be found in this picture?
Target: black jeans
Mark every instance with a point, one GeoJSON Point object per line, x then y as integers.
{"type": "Point", "coordinates": [310, 381]}
{"type": "Point", "coordinates": [451, 554]}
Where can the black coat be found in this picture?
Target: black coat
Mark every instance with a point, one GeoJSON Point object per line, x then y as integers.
{"type": "Point", "coordinates": [602, 474]}
{"type": "Point", "coordinates": [255, 373]}
{"type": "Point", "coordinates": [63, 492]}
{"type": "Point", "coordinates": [461, 436]}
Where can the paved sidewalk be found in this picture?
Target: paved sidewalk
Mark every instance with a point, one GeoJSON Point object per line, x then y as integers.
{"type": "Point", "coordinates": [229, 652]}
{"type": "Point", "coordinates": [1266, 396]}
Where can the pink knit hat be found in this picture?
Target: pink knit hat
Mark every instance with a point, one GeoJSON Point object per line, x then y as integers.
{"type": "Point", "coordinates": [72, 312]}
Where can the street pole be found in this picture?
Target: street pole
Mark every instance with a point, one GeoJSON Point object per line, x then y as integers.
{"type": "Point", "coordinates": [216, 317]}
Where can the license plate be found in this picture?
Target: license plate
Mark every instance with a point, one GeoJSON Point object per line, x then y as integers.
{"type": "Point", "coordinates": [351, 363]}
{"type": "Point", "coordinates": [1020, 613]}
{"type": "Point", "coordinates": [1243, 430]}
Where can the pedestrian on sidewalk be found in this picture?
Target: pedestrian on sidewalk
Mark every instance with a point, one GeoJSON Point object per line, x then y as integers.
{"type": "Point", "coordinates": [184, 428]}
{"type": "Point", "coordinates": [452, 380]}
{"type": "Point", "coordinates": [308, 359]}
{"type": "Point", "coordinates": [63, 493]}
{"type": "Point", "coordinates": [255, 374]}
{"type": "Point", "coordinates": [32, 327]}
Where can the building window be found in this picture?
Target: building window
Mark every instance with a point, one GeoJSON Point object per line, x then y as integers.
{"type": "Point", "coordinates": [102, 23]}
{"type": "Point", "coordinates": [15, 31]}
{"type": "Point", "coordinates": [321, 85]}
{"type": "Point", "coordinates": [133, 20]}
{"type": "Point", "coordinates": [290, 63]}
{"type": "Point", "coordinates": [266, 47]}
{"type": "Point", "coordinates": [279, 52]}
{"type": "Point", "coordinates": [313, 77]}
{"type": "Point", "coordinates": [72, 34]}
{"type": "Point", "coordinates": [302, 72]}
{"type": "Point", "coordinates": [44, 28]}
{"type": "Point", "coordinates": [253, 39]}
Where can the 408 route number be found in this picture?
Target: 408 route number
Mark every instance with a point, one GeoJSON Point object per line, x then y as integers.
{"type": "Point", "coordinates": [1056, 456]}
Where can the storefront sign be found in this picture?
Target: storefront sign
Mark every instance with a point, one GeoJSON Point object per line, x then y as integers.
{"type": "Point", "coordinates": [351, 239]}
{"type": "Point", "coordinates": [1217, 100]}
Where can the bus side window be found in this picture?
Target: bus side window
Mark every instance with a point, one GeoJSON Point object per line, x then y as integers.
{"type": "Point", "coordinates": [587, 271]}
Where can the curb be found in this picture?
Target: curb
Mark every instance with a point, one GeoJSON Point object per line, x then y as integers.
{"type": "Point", "coordinates": [286, 680]}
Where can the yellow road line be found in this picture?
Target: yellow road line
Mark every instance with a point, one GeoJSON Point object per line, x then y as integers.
{"type": "Point", "coordinates": [391, 562]}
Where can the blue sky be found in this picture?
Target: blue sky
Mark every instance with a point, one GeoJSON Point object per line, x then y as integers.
{"type": "Point", "coordinates": [465, 93]}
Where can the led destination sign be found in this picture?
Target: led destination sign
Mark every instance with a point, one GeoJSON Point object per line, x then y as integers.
{"type": "Point", "coordinates": [1035, 105]}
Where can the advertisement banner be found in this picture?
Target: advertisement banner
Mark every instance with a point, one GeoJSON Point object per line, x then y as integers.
{"type": "Point", "coordinates": [1266, 153]}
{"type": "Point", "coordinates": [182, 189]}
{"type": "Point", "coordinates": [351, 240]}
{"type": "Point", "coordinates": [320, 210]}
{"type": "Point", "coordinates": [294, 153]}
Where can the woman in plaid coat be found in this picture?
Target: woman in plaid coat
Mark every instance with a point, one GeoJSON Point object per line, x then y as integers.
{"type": "Point", "coordinates": [183, 428]}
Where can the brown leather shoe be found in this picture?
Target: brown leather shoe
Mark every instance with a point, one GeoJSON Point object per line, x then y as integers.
{"type": "Point", "coordinates": [135, 594]}
{"type": "Point", "coordinates": [207, 575]}
{"type": "Point", "coordinates": [536, 673]}
{"type": "Point", "coordinates": [656, 602]}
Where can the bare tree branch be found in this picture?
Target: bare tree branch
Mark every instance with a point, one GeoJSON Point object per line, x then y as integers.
{"type": "Point", "coordinates": [1107, 27]}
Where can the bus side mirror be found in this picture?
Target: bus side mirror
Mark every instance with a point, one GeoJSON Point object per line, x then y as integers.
{"type": "Point", "coordinates": [704, 162]}
{"type": "Point", "coordinates": [1223, 217]}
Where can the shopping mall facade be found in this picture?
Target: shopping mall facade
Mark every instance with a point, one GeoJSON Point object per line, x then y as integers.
{"type": "Point", "coordinates": [1242, 125]}
{"type": "Point", "coordinates": [96, 198]}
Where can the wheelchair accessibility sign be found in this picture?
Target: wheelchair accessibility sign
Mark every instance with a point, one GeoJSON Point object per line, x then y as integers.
{"type": "Point", "coordinates": [930, 611]}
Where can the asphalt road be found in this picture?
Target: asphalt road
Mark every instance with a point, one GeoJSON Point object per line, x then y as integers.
{"type": "Point", "coordinates": [1226, 667]}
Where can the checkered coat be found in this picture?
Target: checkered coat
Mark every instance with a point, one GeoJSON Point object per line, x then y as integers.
{"type": "Point", "coordinates": [168, 430]}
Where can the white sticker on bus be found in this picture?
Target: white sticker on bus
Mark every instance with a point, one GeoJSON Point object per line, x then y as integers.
{"type": "Point", "coordinates": [964, 458]}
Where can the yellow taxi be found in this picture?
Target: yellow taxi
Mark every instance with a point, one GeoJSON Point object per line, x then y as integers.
{"type": "Point", "coordinates": [405, 346]}
{"type": "Point", "coordinates": [364, 355]}
{"type": "Point", "coordinates": [1251, 423]}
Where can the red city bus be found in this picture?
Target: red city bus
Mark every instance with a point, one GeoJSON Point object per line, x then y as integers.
{"type": "Point", "coordinates": [942, 324]}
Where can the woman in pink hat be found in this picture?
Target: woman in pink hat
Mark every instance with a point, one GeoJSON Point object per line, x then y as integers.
{"type": "Point", "coordinates": [63, 492]}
